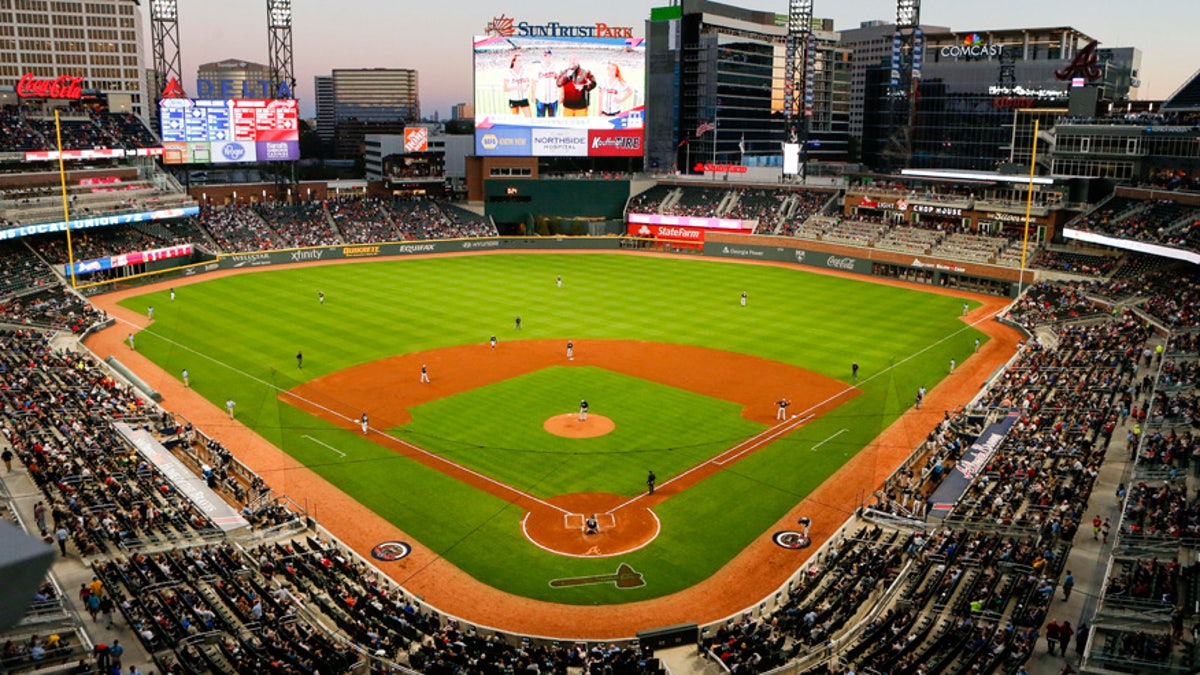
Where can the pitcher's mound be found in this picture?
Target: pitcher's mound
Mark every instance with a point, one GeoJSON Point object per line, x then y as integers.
{"type": "Point", "coordinates": [569, 426]}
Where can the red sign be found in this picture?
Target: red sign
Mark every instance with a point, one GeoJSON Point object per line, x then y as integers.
{"type": "Point", "coordinates": [615, 143]}
{"type": "Point", "coordinates": [1084, 65]}
{"type": "Point", "coordinates": [709, 167]}
{"type": "Point", "coordinates": [416, 139]}
{"type": "Point", "coordinates": [173, 90]}
{"type": "Point", "coordinates": [1005, 102]}
{"type": "Point", "coordinates": [63, 86]}
{"type": "Point", "coordinates": [691, 235]}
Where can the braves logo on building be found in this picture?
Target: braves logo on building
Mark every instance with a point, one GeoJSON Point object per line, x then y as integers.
{"type": "Point", "coordinates": [1085, 65]}
{"type": "Point", "coordinates": [501, 25]}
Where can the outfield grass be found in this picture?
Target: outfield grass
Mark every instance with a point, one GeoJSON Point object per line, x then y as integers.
{"type": "Point", "coordinates": [238, 337]}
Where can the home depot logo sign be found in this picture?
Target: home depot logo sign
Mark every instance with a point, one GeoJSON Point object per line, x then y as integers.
{"type": "Point", "coordinates": [416, 139]}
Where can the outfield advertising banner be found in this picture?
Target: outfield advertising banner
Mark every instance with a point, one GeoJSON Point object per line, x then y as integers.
{"type": "Point", "coordinates": [563, 89]}
{"type": "Point", "coordinates": [126, 259]}
{"type": "Point", "coordinates": [972, 463]}
{"type": "Point", "coordinates": [830, 261]}
{"type": "Point", "coordinates": [99, 221]}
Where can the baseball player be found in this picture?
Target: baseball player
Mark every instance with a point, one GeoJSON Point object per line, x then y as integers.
{"type": "Point", "coordinates": [321, 297]}
{"type": "Point", "coordinates": [570, 351]}
{"type": "Point", "coordinates": [363, 420]}
{"type": "Point", "coordinates": [172, 294]}
{"type": "Point", "coordinates": [952, 364]}
{"type": "Point", "coordinates": [131, 342]}
{"type": "Point", "coordinates": [583, 408]}
{"type": "Point", "coordinates": [650, 480]}
{"type": "Point", "coordinates": [518, 323]}
{"type": "Point", "coordinates": [424, 374]}
{"type": "Point", "coordinates": [186, 380]}
{"type": "Point", "coordinates": [229, 406]}
{"type": "Point", "coordinates": [493, 342]}
{"type": "Point", "coordinates": [743, 298]}
{"type": "Point", "coordinates": [150, 313]}
{"type": "Point", "coordinates": [783, 404]}
{"type": "Point", "coordinates": [299, 360]}
{"type": "Point", "coordinates": [558, 281]}
{"type": "Point", "coordinates": [854, 369]}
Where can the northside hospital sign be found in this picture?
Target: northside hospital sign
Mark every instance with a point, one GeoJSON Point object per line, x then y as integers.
{"type": "Point", "coordinates": [506, 26]}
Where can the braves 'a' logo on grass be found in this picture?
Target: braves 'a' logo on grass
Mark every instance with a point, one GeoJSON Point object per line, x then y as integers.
{"type": "Point", "coordinates": [390, 551]}
{"type": "Point", "coordinates": [790, 539]}
{"type": "Point", "coordinates": [625, 577]}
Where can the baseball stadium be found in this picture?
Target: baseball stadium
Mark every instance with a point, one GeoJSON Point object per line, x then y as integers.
{"type": "Point", "coordinates": [525, 400]}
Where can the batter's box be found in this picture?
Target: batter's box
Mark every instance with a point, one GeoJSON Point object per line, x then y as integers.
{"type": "Point", "coordinates": [576, 521]}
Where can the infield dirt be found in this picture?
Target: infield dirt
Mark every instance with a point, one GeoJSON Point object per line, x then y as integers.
{"type": "Point", "coordinates": [755, 573]}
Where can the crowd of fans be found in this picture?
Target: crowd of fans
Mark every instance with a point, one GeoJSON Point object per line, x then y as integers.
{"type": "Point", "coordinates": [975, 591]}
{"type": "Point", "coordinates": [25, 129]}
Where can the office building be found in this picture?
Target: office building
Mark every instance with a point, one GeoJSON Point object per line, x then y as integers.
{"type": "Point", "coordinates": [323, 97]}
{"type": "Point", "coordinates": [371, 101]}
{"type": "Point", "coordinates": [100, 41]}
{"type": "Point", "coordinates": [715, 83]}
{"type": "Point", "coordinates": [233, 78]}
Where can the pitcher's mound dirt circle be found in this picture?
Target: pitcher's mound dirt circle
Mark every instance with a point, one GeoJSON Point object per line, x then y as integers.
{"type": "Point", "coordinates": [628, 529]}
{"type": "Point", "coordinates": [569, 426]}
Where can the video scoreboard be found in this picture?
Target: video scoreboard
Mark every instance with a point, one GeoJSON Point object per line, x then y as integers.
{"type": "Point", "coordinates": [206, 131]}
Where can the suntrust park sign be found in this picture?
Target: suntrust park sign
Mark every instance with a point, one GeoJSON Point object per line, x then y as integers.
{"type": "Point", "coordinates": [506, 26]}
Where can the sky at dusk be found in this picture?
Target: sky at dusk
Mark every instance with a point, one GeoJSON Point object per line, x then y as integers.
{"type": "Point", "coordinates": [435, 38]}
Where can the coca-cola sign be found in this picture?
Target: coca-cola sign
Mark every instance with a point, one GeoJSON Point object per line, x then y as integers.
{"type": "Point", "coordinates": [63, 86]}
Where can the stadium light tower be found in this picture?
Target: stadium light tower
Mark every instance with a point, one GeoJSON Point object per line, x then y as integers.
{"type": "Point", "coordinates": [164, 33]}
{"type": "Point", "coordinates": [797, 75]}
{"type": "Point", "coordinates": [908, 54]}
{"type": "Point", "coordinates": [279, 46]}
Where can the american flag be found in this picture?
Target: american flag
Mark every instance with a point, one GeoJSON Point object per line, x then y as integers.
{"type": "Point", "coordinates": [705, 127]}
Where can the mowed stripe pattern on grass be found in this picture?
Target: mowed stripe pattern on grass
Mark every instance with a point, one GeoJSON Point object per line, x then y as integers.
{"type": "Point", "coordinates": [255, 323]}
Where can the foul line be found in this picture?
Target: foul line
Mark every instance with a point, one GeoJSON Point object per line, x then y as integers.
{"type": "Point", "coordinates": [738, 450]}
{"type": "Point", "coordinates": [762, 438]}
{"type": "Point", "coordinates": [318, 406]}
{"type": "Point", "coordinates": [813, 448]}
{"type": "Point", "coordinates": [325, 444]}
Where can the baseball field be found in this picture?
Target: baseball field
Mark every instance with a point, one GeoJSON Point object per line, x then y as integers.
{"type": "Point", "coordinates": [488, 466]}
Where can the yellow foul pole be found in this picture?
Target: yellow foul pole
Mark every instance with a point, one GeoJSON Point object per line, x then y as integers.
{"type": "Point", "coordinates": [1028, 206]}
{"type": "Point", "coordinates": [62, 177]}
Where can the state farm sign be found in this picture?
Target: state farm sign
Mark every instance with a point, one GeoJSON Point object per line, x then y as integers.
{"type": "Point", "coordinates": [63, 86]}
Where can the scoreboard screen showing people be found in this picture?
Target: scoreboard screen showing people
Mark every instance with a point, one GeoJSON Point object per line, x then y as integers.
{"type": "Point", "coordinates": [206, 131]}
{"type": "Point", "coordinates": [559, 96]}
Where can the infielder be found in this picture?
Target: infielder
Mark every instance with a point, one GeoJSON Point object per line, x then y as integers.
{"type": "Point", "coordinates": [424, 374]}
{"type": "Point", "coordinates": [570, 351]}
{"type": "Point", "coordinates": [783, 404]}
{"type": "Point", "coordinates": [363, 420]}
{"type": "Point", "coordinates": [493, 342]}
